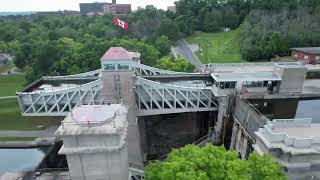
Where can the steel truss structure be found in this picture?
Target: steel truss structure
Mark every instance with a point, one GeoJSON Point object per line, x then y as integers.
{"type": "Point", "coordinates": [136, 174]}
{"type": "Point", "coordinates": [59, 102]}
{"type": "Point", "coordinates": [144, 70]}
{"type": "Point", "coordinates": [154, 98]}
{"type": "Point", "coordinates": [151, 97]}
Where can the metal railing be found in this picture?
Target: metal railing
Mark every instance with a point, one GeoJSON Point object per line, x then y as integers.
{"type": "Point", "coordinates": [93, 123]}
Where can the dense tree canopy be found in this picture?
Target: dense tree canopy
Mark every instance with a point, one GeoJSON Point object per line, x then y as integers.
{"type": "Point", "coordinates": [268, 26]}
{"type": "Point", "coordinates": [61, 45]}
{"type": "Point", "coordinates": [267, 32]}
{"type": "Point", "coordinates": [179, 64]}
{"type": "Point", "coordinates": [213, 163]}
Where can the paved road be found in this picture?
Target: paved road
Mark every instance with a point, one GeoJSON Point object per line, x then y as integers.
{"type": "Point", "coordinates": [189, 54]}
{"type": "Point", "coordinates": [47, 133]}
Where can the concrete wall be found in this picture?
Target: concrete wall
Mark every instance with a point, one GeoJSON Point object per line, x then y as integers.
{"type": "Point", "coordinates": [134, 139]}
{"type": "Point", "coordinates": [222, 114]}
{"type": "Point", "coordinates": [118, 85]}
{"type": "Point", "coordinates": [292, 78]}
{"type": "Point", "coordinates": [240, 140]}
{"type": "Point", "coordinates": [246, 122]}
{"type": "Point", "coordinates": [303, 166]}
{"type": "Point", "coordinates": [161, 133]}
{"type": "Point", "coordinates": [98, 166]}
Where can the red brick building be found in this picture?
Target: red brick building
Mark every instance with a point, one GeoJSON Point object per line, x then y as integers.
{"type": "Point", "coordinates": [310, 55]}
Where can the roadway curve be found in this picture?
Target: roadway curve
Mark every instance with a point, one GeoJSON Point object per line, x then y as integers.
{"type": "Point", "coordinates": [188, 54]}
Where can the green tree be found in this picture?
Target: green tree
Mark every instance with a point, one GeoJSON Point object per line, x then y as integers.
{"type": "Point", "coordinates": [163, 45]}
{"type": "Point", "coordinates": [170, 29]}
{"type": "Point", "coordinates": [264, 167]}
{"type": "Point", "coordinates": [3, 47]}
{"type": "Point", "coordinates": [213, 163]}
{"type": "Point", "coordinates": [178, 65]}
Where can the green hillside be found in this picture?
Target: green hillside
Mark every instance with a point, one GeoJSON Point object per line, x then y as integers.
{"type": "Point", "coordinates": [223, 47]}
{"type": "Point", "coordinates": [10, 84]}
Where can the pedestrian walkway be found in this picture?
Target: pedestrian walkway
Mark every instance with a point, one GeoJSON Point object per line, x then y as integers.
{"type": "Point", "coordinates": [47, 133]}
{"type": "Point", "coordinates": [8, 97]}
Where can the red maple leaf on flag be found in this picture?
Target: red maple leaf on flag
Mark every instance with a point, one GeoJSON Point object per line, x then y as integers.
{"type": "Point", "coordinates": [120, 23]}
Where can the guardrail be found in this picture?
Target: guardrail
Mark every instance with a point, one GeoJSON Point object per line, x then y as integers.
{"type": "Point", "coordinates": [93, 123]}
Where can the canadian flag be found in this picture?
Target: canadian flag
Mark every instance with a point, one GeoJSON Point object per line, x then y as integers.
{"type": "Point", "coordinates": [121, 23]}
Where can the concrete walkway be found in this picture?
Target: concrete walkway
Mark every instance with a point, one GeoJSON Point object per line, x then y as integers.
{"type": "Point", "coordinates": [11, 175]}
{"type": "Point", "coordinates": [8, 97]}
{"type": "Point", "coordinates": [49, 132]}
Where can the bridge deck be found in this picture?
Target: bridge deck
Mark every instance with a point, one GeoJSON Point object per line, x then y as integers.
{"type": "Point", "coordinates": [46, 84]}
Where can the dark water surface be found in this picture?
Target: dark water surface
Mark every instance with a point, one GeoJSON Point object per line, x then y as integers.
{"type": "Point", "coordinates": [288, 108]}
{"type": "Point", "coordinates": [309, 109]}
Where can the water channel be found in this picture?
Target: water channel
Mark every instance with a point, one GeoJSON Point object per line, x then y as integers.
{"type": "Point", "coordinates": [289, 108]}
{"type": "Point", "coordinates": [17, 160]}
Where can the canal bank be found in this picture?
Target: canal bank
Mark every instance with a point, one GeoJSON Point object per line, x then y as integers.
{"type": "Point", "coordinates": [26, 163]}
{"type": "Point", "coordinates": [38, 142]}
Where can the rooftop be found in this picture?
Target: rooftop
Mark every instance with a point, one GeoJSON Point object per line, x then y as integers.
{"type": "Point", "coordinates": [116, 53]}
{"type": "Point", "coordinates": [291, 66]}
{"type": "Point", "coordinates": [252, 76]}
{"type": "Point", "coordinates": [297, 136]}
{"type": "Point", "coordinates": [93, 114]}
{"type": "Point", "coordinates": [94, 119]}
{"type": "Point", "coordinates": [312, 50]}
{"type": "Point", "coordinates": [301, 132]}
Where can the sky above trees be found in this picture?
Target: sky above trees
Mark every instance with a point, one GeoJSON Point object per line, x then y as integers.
{"type": "Point", "coordinates": [54, 5]}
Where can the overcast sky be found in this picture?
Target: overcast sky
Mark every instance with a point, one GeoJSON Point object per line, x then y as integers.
{"type": "Point", "coordinates": [54, 5]}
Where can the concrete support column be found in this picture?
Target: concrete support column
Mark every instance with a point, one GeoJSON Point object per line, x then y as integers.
{"type": "Point", "coordinates": [235, 130]}
{"type": "Point", "coordinates": [219, 126]}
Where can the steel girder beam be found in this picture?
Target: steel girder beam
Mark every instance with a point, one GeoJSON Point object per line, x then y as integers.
{"type": "Point", "coordinates": [156, 98]}
{"type": "Point", "coordinates": [144, 70]}
{"type": "Point", "coordinates": [136, 174]}
{"type": "Point", "coordinates": [59, 103]}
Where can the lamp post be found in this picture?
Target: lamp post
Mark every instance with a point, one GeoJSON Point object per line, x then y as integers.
{"type": "Point", "coordinates": [204, 43]}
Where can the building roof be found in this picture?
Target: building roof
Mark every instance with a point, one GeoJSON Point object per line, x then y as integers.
{"type": "Point", "coordinates": [300, 131]}
{"type": "Point", "coordinates": [116, 53]}
{"type": "Point", "coordinates": [93, 114]}
{"type": "Point", "coordinates": [290, 66]}
{"type": "Point", "coordinates": [94, 119]}
{"type": "Point", "coordinates": [311, 50]}
{"type": "Point", "coordinates": [254, 76]}
{"type": "Point", "coordinates": [296, 136]}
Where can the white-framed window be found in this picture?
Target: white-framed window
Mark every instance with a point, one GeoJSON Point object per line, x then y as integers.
{"type": "Point", "coordinates": [306, 57]}
{"type": "Point", "coordinates": [109, 67]}
{"type": "Point", "coordinates": [296, 55]}
{"type": "Point", "coordinates": [317, 58]}
{"type": "Point", "coordinates": [123, 67]}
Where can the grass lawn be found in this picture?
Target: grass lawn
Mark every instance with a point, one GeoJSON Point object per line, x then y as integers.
{"type": "Point", "coordinates": [6, 68]}
{"type": "Point", "coordinates": [11, 119]}
{"type": "Point", "coordinates": [224, 47]}
{"type": "Point", "coordinates": [9, 84]}
{"type": "Point", "coordinates": [17, 138]}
